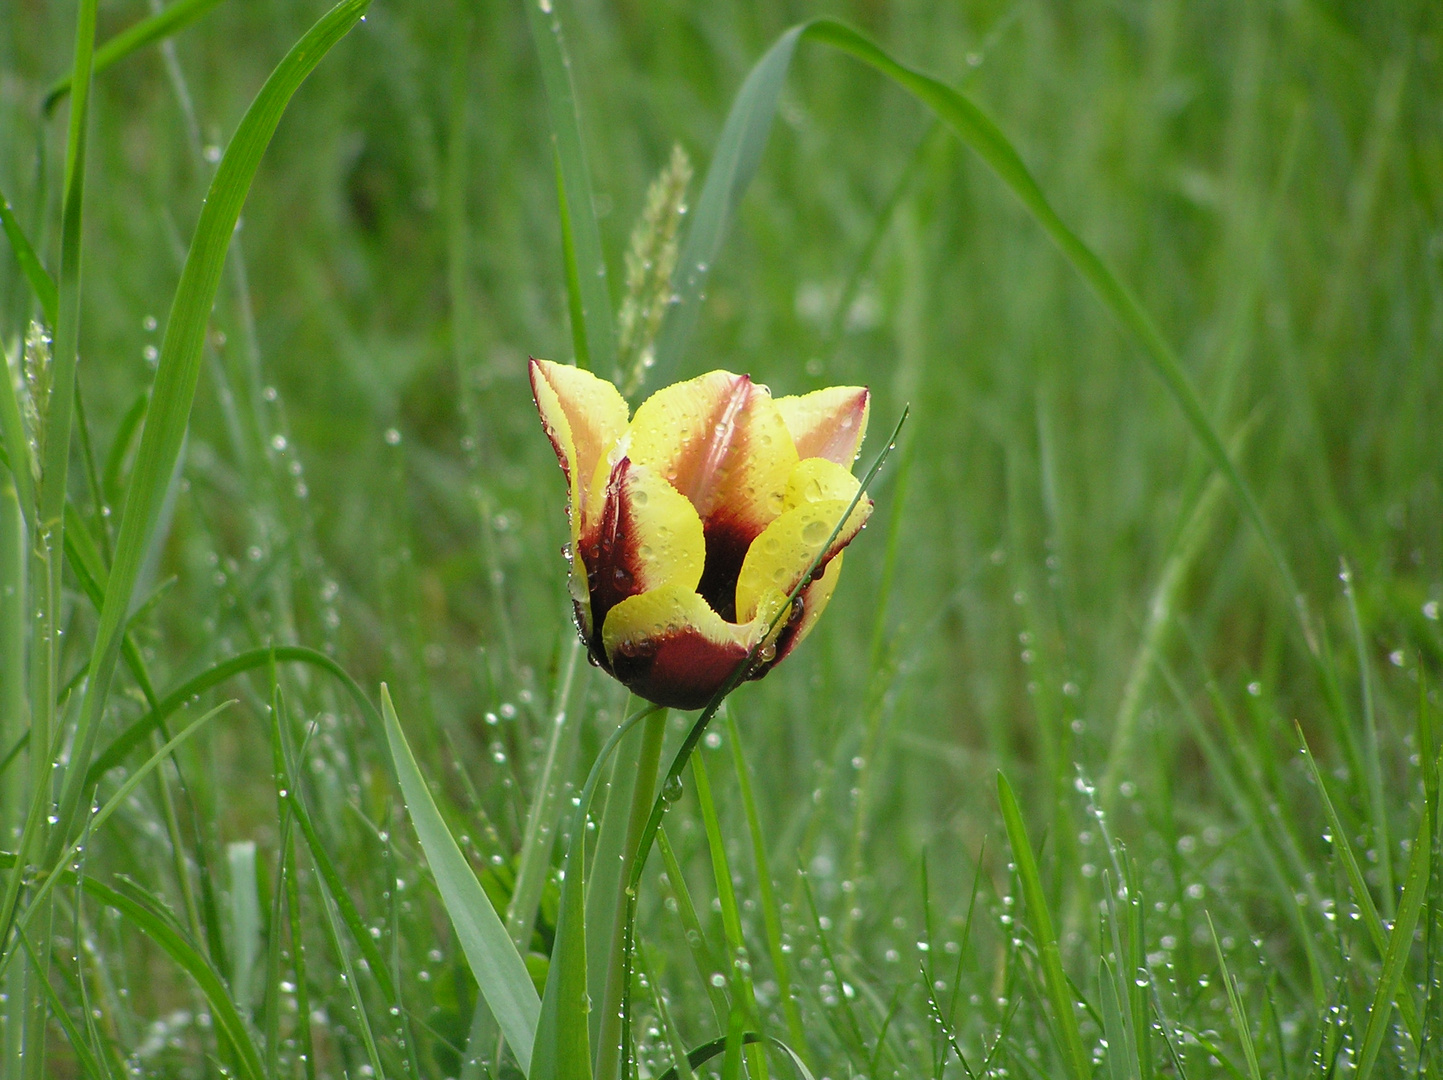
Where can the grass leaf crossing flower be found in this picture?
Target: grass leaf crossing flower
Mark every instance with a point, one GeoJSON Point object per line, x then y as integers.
{"type": "Point", "coordinates": [693, 520]}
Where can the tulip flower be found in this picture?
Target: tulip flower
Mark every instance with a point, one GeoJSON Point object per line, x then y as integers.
{"type": "Point", "coordinates": [693, 521]}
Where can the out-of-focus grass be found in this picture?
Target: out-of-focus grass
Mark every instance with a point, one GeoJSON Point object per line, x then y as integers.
{"type": "Point", "coordinates": [1270, 182]}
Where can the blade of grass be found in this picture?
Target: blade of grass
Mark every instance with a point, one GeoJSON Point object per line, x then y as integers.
{"type": "Point", "coordinates": [562, 1044]}
{"type": "Point", "coordinates": [738, 962]}
{"type": "Point", "coordinates": [1060, 997]}
{"type": "Point", "coordinates": [90, 1064]}
{"type": "Point", "coordinates": [1378, 812]}
{"type": "Point", "coordinates": [771, 914]}
{"type": "Point", "coordinates": [609, 1049]}
{"type": "Point", "coordinates": [18, 459]}
{"type": "Point", "coordinates": [499, 970]}
{"type": "Point", "coordinates": [1235, 1006]}
{"type": "Point", "coordinates": [353, 989]}
{"type": "Point", "coordinates": [604, 880]}
{"type": "Point", "coordinates": [1362, 895]}
{"type": "Point", "coordinates": [1390, 989]}
{"type": "Point", "coordinates": [41, 283]}
{"type": "Point", "coordinates": [48, 528]}
{"type": "Point", "coordinates": [14, 625]}
{"type": "Point", "coordinates": [539, 836]}
{"type": "Point", "coordinates": [243, 920]}
{"type": "Point", "coordinates": [701, 955]}
{"type": "Point", "coordinates": [148, 31]}
{"type": "Point", "coordinates": [1120, 1064]}
{"type": "Point", "coordinates": [668, 1022]}
{"type": "Point", "coordinates": [595, 337]}
{"type": "Point", "coordinates": [178, 371]}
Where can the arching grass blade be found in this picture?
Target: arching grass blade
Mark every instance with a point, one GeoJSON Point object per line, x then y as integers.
{"type": "Point", "coordinates": [169, 20]}
{"type": "Point", "coordinates": [497, 966]}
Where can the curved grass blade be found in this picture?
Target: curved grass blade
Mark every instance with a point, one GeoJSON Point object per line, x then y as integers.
{"type": "Point", "coordinates": [744, 1000]}
{"type": "Point", "coordinates": [499, 970]}
{"type": "Point", "coordinates": [178, 371]}
{"type": "Point", "coordinates": [147, 31]}
{"type": "Point", "coordinates": [706, 1051]}
{"type": "Point", "coordinates": [595, 336]}
{"type": "Point", "coordinates": [1050, 956]}
{"type": "Point", "coordinates": [984, 137]}
{"type": "Point", "coordinates": [41, 283]}
{"type": "Point", "coordinates": [735, 162]}
{"type": "Point", "coordinates": [136, 733]}
{"type": "Point", "coordinates": [611, 963]}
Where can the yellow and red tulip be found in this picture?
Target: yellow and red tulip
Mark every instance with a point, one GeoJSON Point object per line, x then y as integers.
{"type": "Point", "coordinates": [693, 521]}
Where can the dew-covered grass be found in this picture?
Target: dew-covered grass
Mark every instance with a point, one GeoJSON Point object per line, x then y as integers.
{"type": "Point", "coordinates": [1032, 801]}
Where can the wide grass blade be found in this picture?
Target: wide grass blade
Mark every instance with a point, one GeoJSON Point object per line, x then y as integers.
{"type": "Point", "coordinates": [1058, 993]}
{"type": "Point", "coordinates": [177, 372]}
{"type": "Point", "coordinates": [499, 970]}
{"type": "Point", "coordinates": [595, 336]}
{"type": "Point", "coordinates": [1400, 943]}
{"type": "Point", "coordinates": [148, 31]}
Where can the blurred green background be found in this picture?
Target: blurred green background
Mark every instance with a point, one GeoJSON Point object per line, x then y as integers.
{"type": "Point", "coordinates": [1267, 177]}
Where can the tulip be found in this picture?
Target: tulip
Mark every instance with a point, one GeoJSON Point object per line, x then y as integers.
{"type": "Point", "coordinates": [693, 521]}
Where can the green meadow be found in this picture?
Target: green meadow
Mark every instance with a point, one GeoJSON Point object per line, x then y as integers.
{"type": "Point", "coordinates": [1117, 752]}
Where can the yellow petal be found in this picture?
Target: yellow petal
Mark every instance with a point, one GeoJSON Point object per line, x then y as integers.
{"type": "Point", "coordinates": [721, 442]}
{"type": "Point", "coordinates": [668, 646]}
{"type": "Point", "coordinates": [817, 496]}
{"type": "Point", "coordinates": [584, 416]}
{"type": "Point", "coordinates": [828, 423]}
